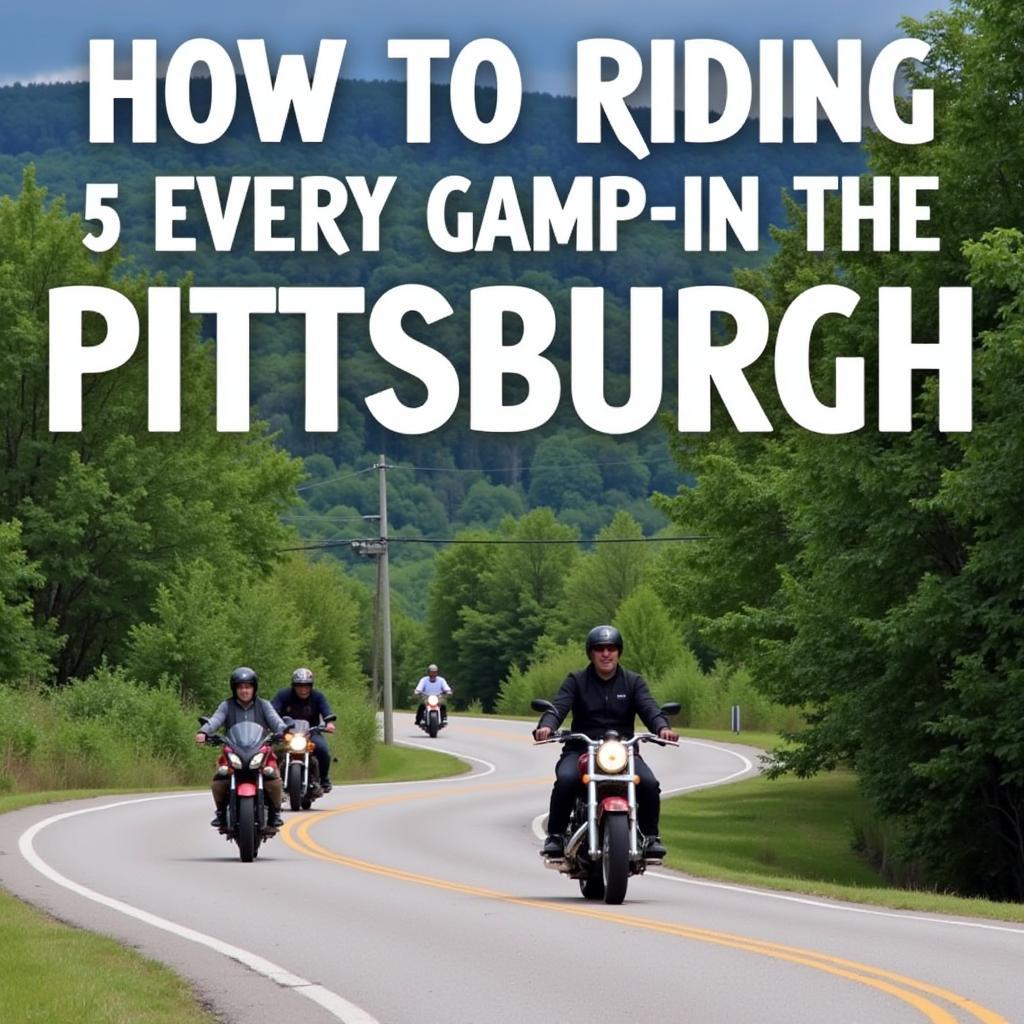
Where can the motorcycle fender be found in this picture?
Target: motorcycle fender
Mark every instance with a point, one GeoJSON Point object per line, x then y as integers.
{"type": "Point", "coordinates": [247, 789]}
{"type": "Point", "coordinates": [613, 805]}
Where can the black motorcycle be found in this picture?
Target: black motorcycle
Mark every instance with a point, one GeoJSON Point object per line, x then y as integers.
{"type": "Point", "coordinates": [300, 769]}
{"type": "Point", "coordinates": [245, 758]}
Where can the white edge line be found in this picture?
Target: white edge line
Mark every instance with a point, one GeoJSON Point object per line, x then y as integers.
{"type": "Point", "coordinates": [488, 769]}
{"type": "Point", "coordinates": [339, 1007]}
{"type": "Point", "coordinates": [901, 915]}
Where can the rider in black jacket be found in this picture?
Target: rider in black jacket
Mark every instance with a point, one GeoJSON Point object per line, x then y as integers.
{"type": "Point", "coordinates": [300, 700]}
{"type": "Point", "coordinates": [603, 696]}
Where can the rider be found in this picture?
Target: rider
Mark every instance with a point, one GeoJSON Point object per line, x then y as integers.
{"type": "Point", "coordinates": [432, 683]}
{"type": "Point", "coordinates": [245, 706]}
{"type": "Point", "coordinates": [300, 701]}
{"type": "Point", "coordinates": [603, 696]}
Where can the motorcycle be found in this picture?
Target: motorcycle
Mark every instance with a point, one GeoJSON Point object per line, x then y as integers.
{"type": "Point", "coordinates": [246, 757]}
{"type": "Point", "coordinates": [603, 846]}
{"type": "Point", "coordinates": [300, 769]}
{"type": "Point", "coordinates": [432, 720]}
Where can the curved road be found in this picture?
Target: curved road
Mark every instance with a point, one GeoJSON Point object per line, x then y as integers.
{"type": "Point", "coordinates": [419, 902]}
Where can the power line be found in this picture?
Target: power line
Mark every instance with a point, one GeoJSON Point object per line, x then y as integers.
{"type": "Point", "coordinates": [335, 479]}
{"type": "Point", "coordinates": [499, 540]}
{"type": "Point", "coordinates": [523, 469]}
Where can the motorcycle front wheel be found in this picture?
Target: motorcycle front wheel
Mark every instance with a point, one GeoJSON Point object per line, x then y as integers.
{"type": "Point", "coordinates": [246, 829]}
{"type": "Point", "coordinates": [432, 726]}
{"type": "Point", "coordinates": [615, 857]}
{"type": "Point", "coordinates": [295, 786]}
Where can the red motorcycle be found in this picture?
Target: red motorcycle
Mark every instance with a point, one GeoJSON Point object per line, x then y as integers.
{"type": "Point", "coordinates": [603, 846]}
{"type": "Point", "coordinates": [246, 757]}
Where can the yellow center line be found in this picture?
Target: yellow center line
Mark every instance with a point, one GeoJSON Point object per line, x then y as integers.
{"type": "Point", "coordinates": [296, 835]}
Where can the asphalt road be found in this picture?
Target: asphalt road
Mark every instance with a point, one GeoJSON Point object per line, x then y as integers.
{"type": "Point", "coordinates": [416, 903]}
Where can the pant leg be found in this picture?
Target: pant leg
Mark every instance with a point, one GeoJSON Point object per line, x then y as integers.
{"type": "Point", "coordinates": [273, 790]}
{"type": "Point", "coordinates": [564, 791]}
{"type": "Point", "coordinates": [323, 756]}
{"type": "Point", "coordinates": [648, 798]}
{"type": "Point", "coordinates": [219, 788]}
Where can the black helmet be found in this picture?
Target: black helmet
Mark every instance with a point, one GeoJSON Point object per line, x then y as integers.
{"type": "Point", "coordinates": [302, 677]}
{"type": "Point", "coordinates": [604, 635]}
{"type": "Point", "coordinates": [244, 674]}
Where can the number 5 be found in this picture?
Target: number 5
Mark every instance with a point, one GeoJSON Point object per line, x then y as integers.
{"type": "Point", "coordinates": [96, 195]}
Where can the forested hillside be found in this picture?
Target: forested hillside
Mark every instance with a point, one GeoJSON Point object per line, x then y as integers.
{"type": "Point", "coordinates": [456, 477]}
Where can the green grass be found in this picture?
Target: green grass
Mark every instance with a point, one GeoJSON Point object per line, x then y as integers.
{"type": "Point", "coordinates": [761, 740]}
{"type": "Point", "coordinates": [796, 835]}
{"type": "Point", "coordinates": [51, 973]}
{"type": "Point", "coordinates": [406, 764]}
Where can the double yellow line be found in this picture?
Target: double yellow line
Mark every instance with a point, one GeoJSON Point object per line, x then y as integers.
{"type": "Point", "coordinates": [920, 995]}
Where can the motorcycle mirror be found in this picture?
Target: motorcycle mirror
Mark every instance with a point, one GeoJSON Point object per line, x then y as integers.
{"type": "Point", "coordinates": [541, 705]}
{"type": "Point", "coordinates": [203, 720]}
{"type": "Point", "coordinates": [331, 718]}
{"type": "Point", "coordinates": [670, 709]}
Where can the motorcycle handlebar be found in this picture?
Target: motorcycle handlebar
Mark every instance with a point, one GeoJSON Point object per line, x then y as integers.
{"type": "Point", "coordinates": [643, 737]}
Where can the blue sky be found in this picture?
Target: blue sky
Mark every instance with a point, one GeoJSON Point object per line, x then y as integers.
{"type": "Point", "coordinates": [48, 39]}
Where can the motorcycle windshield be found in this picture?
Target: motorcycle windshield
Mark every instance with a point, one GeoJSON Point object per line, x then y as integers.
{"type": "Point", "coordinates": [245, 736]}
{"type": "Point", "coordinates": [299, 725]}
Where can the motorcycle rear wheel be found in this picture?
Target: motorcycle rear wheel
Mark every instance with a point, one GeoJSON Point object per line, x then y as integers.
{"type": "Point", "coordinates": [615, 857]}
{"type": "Point", "coordinates": [295, 786]}
{"type": "Point", "coordinates": [247, 844]}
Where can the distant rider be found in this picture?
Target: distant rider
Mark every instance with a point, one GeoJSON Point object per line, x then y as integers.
{"type": "Point", "coordinates": [430, 684]}
{"type": "Point", "coordinates": [300, 700]}
{"type": "Point", "coordinates": [603, 696]}
{"type": "Point", "coordinates": [244, 706]}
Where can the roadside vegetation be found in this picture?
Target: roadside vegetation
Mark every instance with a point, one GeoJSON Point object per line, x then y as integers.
{"type": "Point", "coordinates": [816, 836]}
{"type": "Point", "coordinates": [88, 978]}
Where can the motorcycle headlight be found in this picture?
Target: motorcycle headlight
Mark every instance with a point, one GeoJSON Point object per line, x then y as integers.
{"type": "Point", "coordinates": [297, 742]}
{"type": "Point", "coordinates": [432, 700]}
{"type": "Point", "coordinates": [256, 760]}
{"type": "Point", "coordinates": [611, 757]}
{"type": "Point", "coordinates": [234, 760]}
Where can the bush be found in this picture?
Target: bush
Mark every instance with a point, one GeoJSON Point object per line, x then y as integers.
{"type": "Point", "coordinates": [357, 731]}
{"type": "Point", "coordinates": [21, 728]}
{"type": "Point", "coordinates": [541, 679]}
{"type": "Point", "coordinates": [684, 682]}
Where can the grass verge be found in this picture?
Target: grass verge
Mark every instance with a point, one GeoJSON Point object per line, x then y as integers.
{"type": "Point", "coordinates": [796, 835]}
{"type": "Point", "coordinates": [91, 979]}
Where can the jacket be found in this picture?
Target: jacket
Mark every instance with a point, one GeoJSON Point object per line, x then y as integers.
{"type": "Point", "coordinates": [229, 712]}
{"type": "Point", "coordinates": [313, 710]}
{"type": "Point", "coordinates": [598, 705]}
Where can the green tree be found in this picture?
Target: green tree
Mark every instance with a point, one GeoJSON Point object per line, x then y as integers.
{"type": "Point", "coordinates": [108, 512]}
{"type": "Point", "coordinates": [25, 649]}
{"type": "Point", "coordinates": [874, 580]}
{"type": "Point", "coordinates": [492, 597]}
{"type": "Point", "coordinates": [603, 578]}
{"type": "Point", "coordinates": [651, 641]}
{"type": "Point", "coordinates": [189, 642]}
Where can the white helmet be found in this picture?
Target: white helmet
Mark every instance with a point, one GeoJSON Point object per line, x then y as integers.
{"type": "Point", "coordinates": [431, 668]}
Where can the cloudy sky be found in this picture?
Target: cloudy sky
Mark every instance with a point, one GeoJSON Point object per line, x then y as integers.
{"type": "Point", "coordinates": [47, 40]}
